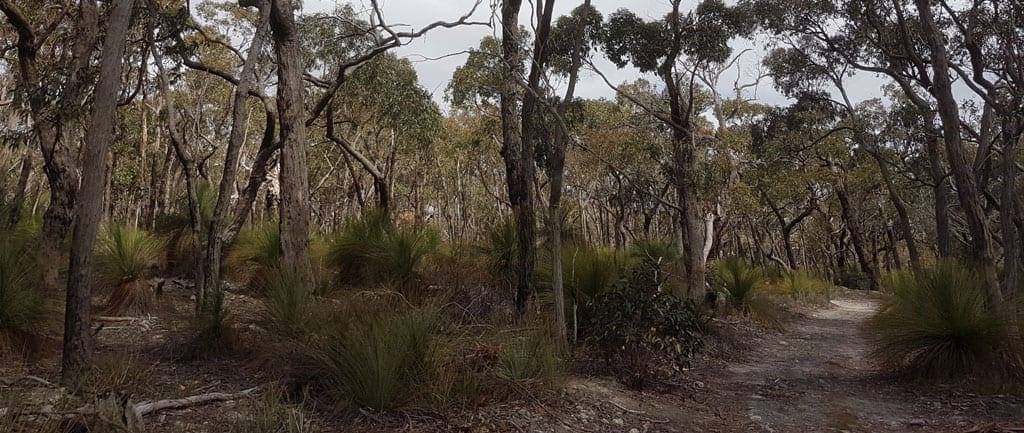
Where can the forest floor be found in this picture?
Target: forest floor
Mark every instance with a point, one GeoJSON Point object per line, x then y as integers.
{"type": "Point", "coordinates": [810, 377]}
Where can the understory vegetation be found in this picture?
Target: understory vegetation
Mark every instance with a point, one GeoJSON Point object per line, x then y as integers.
{"type": "Point", "coordinates": [935, 324]}
{"type": "Point", "coordinates": [233, 191]}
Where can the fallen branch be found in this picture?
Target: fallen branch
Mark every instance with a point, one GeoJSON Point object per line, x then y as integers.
{"type": "Point", "coordinates": [150, 407]}
{"type": "Point", "coordinates": [13, 381]}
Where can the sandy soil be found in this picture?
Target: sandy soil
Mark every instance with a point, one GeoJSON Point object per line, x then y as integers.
{"type": "Point", "coordinates": [814, 377]}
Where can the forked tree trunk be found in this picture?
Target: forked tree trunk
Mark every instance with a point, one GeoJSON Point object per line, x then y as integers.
{"type": "Point", "coordinates": [216, 235]}
{"type": "Point", "coordinates": [77, 353]}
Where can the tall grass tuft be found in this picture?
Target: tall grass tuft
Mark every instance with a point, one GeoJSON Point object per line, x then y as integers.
{"type": "Point", "coordinates": [802, 284]}
{"type": "Point", "coordinates": [743, 285]}
{"type": "Point", "coordinates": [654, 254]}
{"type": "Point", "coordinates": [380, 361]}
{"type": "Point", "coordinates": [935, 325]}
{"type": "Point", "coordinates": [739, 280]}
{"type": "Point", "coordinates": [530, 357]}
{"type": "Point", "coordinates": [288, 301]}
{"type": "Point", "coordinates": [257, 249]}
{"type": "Point", "coordinates": [370, 250]}
{"type": "Point", "coordinates": [590, 271]}
{"type": "Point", "coordinates": [125, 257]}
{"type": "Point", "coordinates": [20, 306]}
{"type": "Point", "coordinates": [501, 247]}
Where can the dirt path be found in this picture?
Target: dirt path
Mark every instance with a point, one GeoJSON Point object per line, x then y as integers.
{"type": "Point", "coordinates": [814, 378]}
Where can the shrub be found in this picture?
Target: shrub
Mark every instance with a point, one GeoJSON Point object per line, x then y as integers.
{"type": "Point", "coordinates": [637, 326]}
{"type": "Point", "coordinates": [20, 306]}
{"type": "Point", "coordinates": [211, 334]}
{"type": "Point", "coordinates": [121, 372]}
{"type": "Point", "coordinates": [379, 361]}
{"type": "Point", "coordinates": [398, 259]}
{"type": "Point", "coordinates": [125, 256]}
{"type": "Point", "coordinates": [935, 324]}
{"type": "Point", "coordinates": [530, 357]}
{"type": "Point", "coordinates": [851, 277]}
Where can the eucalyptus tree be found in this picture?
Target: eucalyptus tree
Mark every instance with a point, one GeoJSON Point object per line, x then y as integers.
{"type": "Point", "coordinates": [382, 113]}
{"type": "Point", "coordinates": [77, 353]}
{"type": "Point", "coordinates": [55, 88]}
{"type": "Point", "coordinates": [674, 48]}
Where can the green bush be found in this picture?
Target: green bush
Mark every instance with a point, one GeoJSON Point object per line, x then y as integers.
{"type": "Point", "coordinates": [380, 361]}
{"type": "Point", "coordinates": [125, 257]}
{"type": "Point", "coordinates": [638, 327]}
{"type": "Point", "coordinates": [126, 254]}
{"type": "Point", "coordinates": [851, 277]}
{"type": "Point", "coordinates": [935, 324]}
{"type": "Point", "coordinates": [20, 306]}
{"type": "Point", "coordinates": [257, 249]}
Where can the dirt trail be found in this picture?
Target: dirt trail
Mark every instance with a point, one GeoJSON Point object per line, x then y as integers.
{"type": "Point", "coordinates": [814, 378]}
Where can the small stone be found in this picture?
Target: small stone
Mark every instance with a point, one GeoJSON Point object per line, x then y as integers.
{"type": "Point", "coordinates": [633, 430]}
{"type": "Point", "coordinates": [756, 418]}
{"type": "Point", "coordinates": [618, 421]}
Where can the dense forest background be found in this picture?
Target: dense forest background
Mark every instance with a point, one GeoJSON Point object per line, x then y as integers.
{"type": "Point", "coordinates": [251, 147]}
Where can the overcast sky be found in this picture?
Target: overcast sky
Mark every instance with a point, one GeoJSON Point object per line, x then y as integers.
{"type": "Point", "coordinates": [435, 74]}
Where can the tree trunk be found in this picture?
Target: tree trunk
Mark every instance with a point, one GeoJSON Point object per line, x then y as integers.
{"type": "Point", "coordinates": [518, 165]}
{"type": "Point", "coordinates": [294, 208]}
{"type": "Point", "coordinates": [18, 202]}
{"type": "Point", "coordinates": [903, 216]}
{"type": "Point", "coordinates": [966, 184]}
{"type": "Point", "coordinates": [866, 261]}
{"type": "Point", "coordinates": [77, 352]}
{"type": "Point", "coordinates": [216, 235]}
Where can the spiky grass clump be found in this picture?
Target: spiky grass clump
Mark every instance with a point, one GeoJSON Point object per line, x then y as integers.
{"type": "Point", "coordinates": [743, 285]}
{"type": "Point", "coordinates": [654, 254]}
{"type": "Point", "coordinates": [398, 260]}
{"type": "Point", "coordinates": [380, 361]}
{"type": "Point", "coordinates": [739, 280]}
{"type": "Point", "coordinates": [530, 357]}
{"type": "Point", "coordinates": [590, 271]}
{"type": "Point", "coordinates": [935, 324]}
{"type": "Point", "coordinates": [125, 257]}
{"type": "Point", "coordinates": [20, 306]}
{"type": "Point", "coordinates": [802, 284]}
{"type": "Point", "coordinates": [288, 301]}
{"type": "Point", "coordinates": [258, 248]}
{"type": "Point", "coordinates": [370, 250]}
{"type": "Point", "coordinates": [501, 248]}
